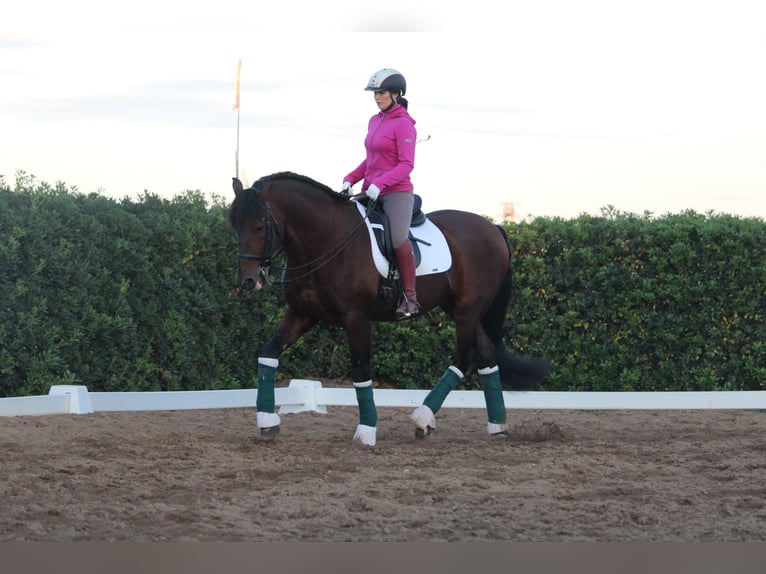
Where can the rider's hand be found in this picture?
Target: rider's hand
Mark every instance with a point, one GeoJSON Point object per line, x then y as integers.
{"type": "Point", "coordinates": [373, 192]}
{"type": "Point", "coordinates": [346, 188]}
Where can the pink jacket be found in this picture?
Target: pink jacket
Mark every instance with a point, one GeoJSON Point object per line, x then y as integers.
{"type": "Point", "coordinates": [390, 145]}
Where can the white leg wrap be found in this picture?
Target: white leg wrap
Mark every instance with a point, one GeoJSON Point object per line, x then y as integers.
{"type": "Point", "coordinates": [457, 371]}
{"type": "Point", "coordinates": [488, 370]}
{"type": "Point", "coordinates": [267, 420]}
{"type": "Point", "coordinates": [494, 428]}
{"type": "Point", "coordinates": [363, 384]}
{"type": "Point", "coordinates": [423, 418]}
{"type": "Point", "coordinates": [364, 435]}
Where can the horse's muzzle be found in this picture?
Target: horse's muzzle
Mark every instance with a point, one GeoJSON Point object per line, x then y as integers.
{"type": "Point", "coordinates": [248, 284]}
{"type": "Point", "coordinates": [254, 281]}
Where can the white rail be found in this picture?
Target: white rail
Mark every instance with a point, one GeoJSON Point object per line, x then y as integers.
{"type": "Point", "coordinates": [306, 395]}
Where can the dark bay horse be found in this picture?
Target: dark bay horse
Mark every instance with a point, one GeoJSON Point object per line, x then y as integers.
{"type": "Point", "coordinates": [330, 276]}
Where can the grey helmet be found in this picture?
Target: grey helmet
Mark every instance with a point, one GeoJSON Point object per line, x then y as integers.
{"type": "Point", "coordinates": [387, 79]}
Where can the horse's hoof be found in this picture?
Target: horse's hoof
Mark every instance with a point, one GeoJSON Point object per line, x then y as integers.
{"type": "Point", "coordinates": [424, 420]}
{"type": "Point", "coordinates": [269, 433]}
{"type": "Point", "coordinates": [499, 435]}
{"type": "Point", "coordinates": [365, 436]}
{"type": "Point", "coordinates": [420, 433]}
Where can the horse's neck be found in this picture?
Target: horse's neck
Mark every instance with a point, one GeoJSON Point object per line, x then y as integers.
{"type": "Point", "coordinates": [313, 227]}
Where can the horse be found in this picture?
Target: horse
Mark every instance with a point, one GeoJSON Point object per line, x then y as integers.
{"type": "Point", "coordinates": [330, 277]}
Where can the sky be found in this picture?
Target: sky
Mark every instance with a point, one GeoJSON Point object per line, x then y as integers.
{"type": "Point", "coordinates": [558, 108]}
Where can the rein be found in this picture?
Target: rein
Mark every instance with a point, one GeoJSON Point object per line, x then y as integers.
{"type": "Point", "coordinates": [272, 231]}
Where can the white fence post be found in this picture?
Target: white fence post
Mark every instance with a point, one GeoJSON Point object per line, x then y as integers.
{"type": "Point", "coordinates": [79, 401]}
{"type": "Point", "coordinates": [310, 389]}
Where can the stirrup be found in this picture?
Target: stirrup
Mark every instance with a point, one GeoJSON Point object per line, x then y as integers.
{"type": "Point", "coordinates": [407, 309]}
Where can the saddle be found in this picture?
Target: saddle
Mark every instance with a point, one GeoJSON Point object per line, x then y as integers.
{"type": "Point", "coordinates": [382, 228]}
{"type": "Point", "coordinates": [387, 295]}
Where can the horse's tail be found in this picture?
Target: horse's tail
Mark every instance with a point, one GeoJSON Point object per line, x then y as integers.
{"type": "Point", "coordinates": [515, 373]}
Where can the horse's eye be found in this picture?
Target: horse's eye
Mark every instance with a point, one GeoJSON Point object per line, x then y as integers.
{"type": "Point", "coordinates": [258, 226]}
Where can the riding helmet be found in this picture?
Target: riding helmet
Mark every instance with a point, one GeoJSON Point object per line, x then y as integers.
{"type": "Point", "coordinates": [387, 79]}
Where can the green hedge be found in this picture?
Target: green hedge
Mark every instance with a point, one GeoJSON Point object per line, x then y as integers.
{"type": "Point", "coordinates": [137, 295]}
{"type": "Point", "coordinates": [627, 302]}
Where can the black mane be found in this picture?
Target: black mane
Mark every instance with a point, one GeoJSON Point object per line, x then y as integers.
{"type": "Point", "coordinates": [246, 204]}
{"type": "Point", "coordinates": [258, 185]}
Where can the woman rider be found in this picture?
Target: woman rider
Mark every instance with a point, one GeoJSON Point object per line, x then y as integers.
{"type": "Point", "coordinates": [390, 158]}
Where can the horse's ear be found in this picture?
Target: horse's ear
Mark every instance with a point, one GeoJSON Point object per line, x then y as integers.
{"type": "Point", "coordinates": [237, 185]}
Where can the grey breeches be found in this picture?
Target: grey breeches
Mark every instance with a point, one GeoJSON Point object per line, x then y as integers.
{"type": "Point", "coordinates": [398, 208]}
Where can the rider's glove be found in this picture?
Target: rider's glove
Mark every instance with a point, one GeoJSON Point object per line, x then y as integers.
{"type": "Point", "coordinates": [373, 192]}
{"type": "Point", "coordinates": [346, 189]}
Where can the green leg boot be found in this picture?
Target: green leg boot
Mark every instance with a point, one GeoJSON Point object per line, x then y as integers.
{"type": "Point", "coordinates": [266, 417]}
{"type": "Point", "coordinates": [368, 415]}
{"type": "Point", "coordinates": [423, 416]}
{"type": "Point", "coordinates": [489, 378]}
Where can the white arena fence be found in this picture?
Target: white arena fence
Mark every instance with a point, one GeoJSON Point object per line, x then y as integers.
{"type": "Point", "coordinates": [307, 395]}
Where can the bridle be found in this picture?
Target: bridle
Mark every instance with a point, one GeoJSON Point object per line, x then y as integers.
{"type": "Point", "coordinates": [272, 234]}
{"type": "Point", "coordinates": [264, 258]}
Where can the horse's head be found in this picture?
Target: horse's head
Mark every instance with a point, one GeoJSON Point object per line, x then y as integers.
{"type": "Point", "coordinates": [250, 218]}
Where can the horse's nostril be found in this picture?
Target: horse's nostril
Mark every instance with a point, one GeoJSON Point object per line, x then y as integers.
{"type": "Point", "coordinates": [248, 284]}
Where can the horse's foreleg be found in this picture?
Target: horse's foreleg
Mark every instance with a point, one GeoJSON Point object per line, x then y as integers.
{"type": "Point", "coordinates": [290, 329]}
{"type": "Point", "coordinates": [359, 336]}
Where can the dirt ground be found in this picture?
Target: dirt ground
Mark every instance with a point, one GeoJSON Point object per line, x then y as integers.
{"type": "Point", "coordinates": [560, 476]}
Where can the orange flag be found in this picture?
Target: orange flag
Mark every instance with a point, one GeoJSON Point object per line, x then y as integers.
{"type": "Point", "coordinates": [239, 69]}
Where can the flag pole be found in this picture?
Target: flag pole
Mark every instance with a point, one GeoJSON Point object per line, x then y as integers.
{"type": "Point", "coordinates": [236, 107]}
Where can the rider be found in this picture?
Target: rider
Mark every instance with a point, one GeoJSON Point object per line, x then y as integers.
{"type": "Point", "coordinates": [390, 146]}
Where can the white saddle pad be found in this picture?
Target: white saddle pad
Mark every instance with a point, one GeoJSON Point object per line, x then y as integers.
{"type": "Point", "coordinates": [434, 251]}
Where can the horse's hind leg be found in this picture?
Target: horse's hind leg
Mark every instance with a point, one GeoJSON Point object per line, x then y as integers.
{"type": "Point", "coordinates": [489, 377]}
{"type": "Point", "coordinates": [290, 329]}
{"type": "Point", "coordinates": [491, 385]}
{"type": "Point", "coordinates": [424, 415]}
